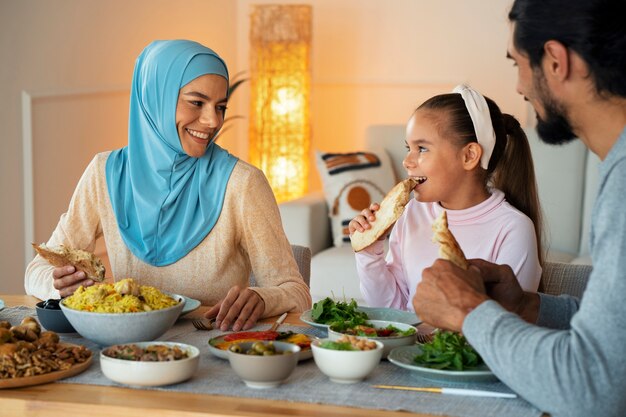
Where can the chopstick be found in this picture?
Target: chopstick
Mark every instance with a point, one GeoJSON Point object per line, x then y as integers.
{"type": "Point", "coordinates": [451, 391]}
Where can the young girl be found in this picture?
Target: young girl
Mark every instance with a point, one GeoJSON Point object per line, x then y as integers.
{"type": "Point", "coordinates": [474, 162]}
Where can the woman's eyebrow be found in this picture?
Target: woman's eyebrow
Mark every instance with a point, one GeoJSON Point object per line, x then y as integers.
{"type": "Point", "coordinates": [203, 96]}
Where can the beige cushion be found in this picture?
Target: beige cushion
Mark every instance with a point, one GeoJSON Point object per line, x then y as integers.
{"type": "Point", "coordinates": [352, 181]}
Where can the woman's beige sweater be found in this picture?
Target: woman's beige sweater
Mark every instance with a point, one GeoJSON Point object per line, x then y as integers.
{"type": "Point", "coordinates": [248, 236]}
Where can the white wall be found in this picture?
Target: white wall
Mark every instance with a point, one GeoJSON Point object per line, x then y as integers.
{"type": "Point", "coordinates": [373, 62]}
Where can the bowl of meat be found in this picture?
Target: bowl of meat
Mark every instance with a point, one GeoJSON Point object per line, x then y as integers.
{"type": "Point", "coordinates": [149, 363]}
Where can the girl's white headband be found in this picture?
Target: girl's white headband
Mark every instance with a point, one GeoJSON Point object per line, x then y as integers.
{"type": "Point", "coordinates": [479, 113]}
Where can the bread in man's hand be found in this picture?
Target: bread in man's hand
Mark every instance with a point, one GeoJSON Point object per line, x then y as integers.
{"type": "Point", "coordinates": [449, 248]}
{"type": "Point", "coordinates": [391, 209]}
{"type": "Point", "coordinates": [82, 260]}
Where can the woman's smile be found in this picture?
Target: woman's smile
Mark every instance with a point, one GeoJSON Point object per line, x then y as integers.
{"type": "Point", "coordinates": [200, 138]}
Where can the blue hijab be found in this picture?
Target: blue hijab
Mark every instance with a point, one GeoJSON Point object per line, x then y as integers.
{"type": "Point", "coordinates": [165, 201]}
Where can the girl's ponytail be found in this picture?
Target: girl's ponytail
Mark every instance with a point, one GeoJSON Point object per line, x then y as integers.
{"type": "Point", "coordinates": [514, 174]}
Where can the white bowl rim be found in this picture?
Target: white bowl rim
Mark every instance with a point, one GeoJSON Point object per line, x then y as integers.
{"type": "Point", "coordinates": [379, 345]}
{"type": "Point", "coordinates": [193, 351]}
{"type": "Point", "coordinates": [295, 349]}
{"type": "Point", "coordinates": [393, 323]}
{"type": "Point", "coordinates": [181, 304]}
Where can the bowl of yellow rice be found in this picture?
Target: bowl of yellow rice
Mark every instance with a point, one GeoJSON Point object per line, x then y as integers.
{"type": "Point", "coordinates": [123, 312]}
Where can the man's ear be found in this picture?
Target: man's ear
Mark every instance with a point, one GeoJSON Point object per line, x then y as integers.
{"type": "Point", "coordinates": [472, 152]}
{"type": "Point", "coordinates": [556, 60]}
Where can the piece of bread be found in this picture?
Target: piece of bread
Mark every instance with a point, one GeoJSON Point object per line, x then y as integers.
{"type": "Point", "coordinates": [391, 209]}
{"type": "Point", "coordinates": [449, 248]}
{"type": "Point", "coordinates": [80, 259]}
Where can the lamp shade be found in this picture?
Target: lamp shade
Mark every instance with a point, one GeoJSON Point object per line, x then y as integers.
{"type": "Point", "coordinates": [280, 83]}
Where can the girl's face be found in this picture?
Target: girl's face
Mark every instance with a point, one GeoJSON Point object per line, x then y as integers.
{"type": "Point", "coordinates": [434, 160]}
{"type": "Point", "coordinates": [200, 112]}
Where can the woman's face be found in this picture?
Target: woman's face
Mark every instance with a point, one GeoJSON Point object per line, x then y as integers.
{"type": "Point", "coordinates": [433, 158]}
{"type": "Point", "coordinates": [200, 112]}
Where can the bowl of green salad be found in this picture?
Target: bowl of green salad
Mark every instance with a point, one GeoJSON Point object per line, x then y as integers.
{"type": "Point", "coordinates": [391, 334]}
{"type": "Point", "coordinates": [347, 359]}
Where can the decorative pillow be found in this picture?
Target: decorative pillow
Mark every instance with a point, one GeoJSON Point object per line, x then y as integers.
{"type": "Point", "coordinates": [352, 181]}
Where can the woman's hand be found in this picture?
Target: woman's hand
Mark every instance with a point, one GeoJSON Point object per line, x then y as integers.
{"type": "Point", "coordinates": [362, 222]}
{"type": "Point", "coordinates": [241, 308]}
{"type": "Point", "coordinates": [67, 280]}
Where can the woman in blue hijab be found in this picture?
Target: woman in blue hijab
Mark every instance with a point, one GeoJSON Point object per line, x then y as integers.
{"type": "Point", "coordinates": [177, 211]}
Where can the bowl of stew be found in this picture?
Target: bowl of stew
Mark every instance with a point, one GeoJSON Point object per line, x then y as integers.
{"type": "Point", "coordinates": [149, 363]}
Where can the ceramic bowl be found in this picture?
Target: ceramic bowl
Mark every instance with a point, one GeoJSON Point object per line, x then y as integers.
{"type": "Point", "coordinates": [139, 373]}
{"type": "Point", "coordinates": [346, 366]}
{"type": "Point", "coordinates": [108, 329]}
{"type": "Point", "coordinates": [53, 318]}
{"type": "Point", "coordinates": [264, 371]}
{"type": "Point", "coordinates": [388, 342]}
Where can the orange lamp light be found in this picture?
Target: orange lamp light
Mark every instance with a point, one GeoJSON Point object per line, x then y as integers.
{"type": "Point", "coordinates": [280, 83]}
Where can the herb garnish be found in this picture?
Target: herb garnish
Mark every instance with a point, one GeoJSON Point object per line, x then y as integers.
{"type": "Point", "coordinates": [337, 345]}
{"type": "Point", "coordinates": [328, 311]}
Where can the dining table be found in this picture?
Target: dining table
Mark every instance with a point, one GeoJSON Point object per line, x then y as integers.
{"type": "Point", "coordinates": [73, 399]}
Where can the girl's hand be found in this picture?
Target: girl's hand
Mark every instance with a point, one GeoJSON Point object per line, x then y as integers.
{"type": "Point", "coordinates": [67, 280]}
{"type": "Point", "coordinates": [241, 308]}
{"type": "Point", "coordinates": [362, 222]}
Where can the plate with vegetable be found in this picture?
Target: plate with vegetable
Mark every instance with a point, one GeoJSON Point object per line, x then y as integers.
{"type": "Point", "coordinates": [328, 311]}
{"type": "Point", "coordinates": [448, 357]}
{"type": "Point", "coordinates": [219, 345]}
{"type": "Point", "coordinates": [191, 304]}
{"type": "Point", "coordinates": [390, 333]}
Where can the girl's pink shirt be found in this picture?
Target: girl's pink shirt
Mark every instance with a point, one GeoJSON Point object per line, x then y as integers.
{"type": "Point", "coordinates": [493, 230]}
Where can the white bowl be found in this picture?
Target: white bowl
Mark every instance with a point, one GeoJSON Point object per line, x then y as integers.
{"type": "Point", "coordinates": [108, 329]}
{"type": "Point", "coordinates": [264, 371]}
{"type": "Point", "coordinates": [151, 373]}
{"type": "Point", "coordinates": [389, 342]}
{"type": "Point", "coordinates": [346, 366]}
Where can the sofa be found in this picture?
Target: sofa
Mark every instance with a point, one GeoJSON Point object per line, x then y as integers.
{"type": "Point", "coordinates": [567, 179]}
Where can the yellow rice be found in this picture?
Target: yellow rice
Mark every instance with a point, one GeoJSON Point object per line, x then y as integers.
{"type": "Point", "coordinates": [104, 298]}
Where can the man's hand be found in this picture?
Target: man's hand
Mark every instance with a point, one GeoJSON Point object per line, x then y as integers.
{"type": "Point", "coordinates": [67, 280]}
{"type": "Point", "coordinates": [447, 294]}
{"type": "Point", "coordinates": [241, 308]}
{"type": "Point", "coordinates": [503, 287]}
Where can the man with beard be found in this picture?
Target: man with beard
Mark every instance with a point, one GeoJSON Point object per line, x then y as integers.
{"type": "Point", "coordinates": [564, 355]}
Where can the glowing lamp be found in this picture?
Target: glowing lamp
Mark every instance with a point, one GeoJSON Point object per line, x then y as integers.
{"type": "Point", "coordinates": [280, 83]}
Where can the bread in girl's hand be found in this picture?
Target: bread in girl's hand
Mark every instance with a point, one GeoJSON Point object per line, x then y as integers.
{"type": "Point", "coordinates": [82, 260]}
{"type": "Point", "coordinates": [449, 248]}
{"type": "Point", "coordinates": [391, 209]}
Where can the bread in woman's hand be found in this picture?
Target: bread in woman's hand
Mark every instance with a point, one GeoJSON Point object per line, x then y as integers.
{"type": "Point", "coordinates": [391, 209]}
{"type": "Point", "coordinates": [82, 260]}
{"type": "Point", "coordinates": [449, 248]}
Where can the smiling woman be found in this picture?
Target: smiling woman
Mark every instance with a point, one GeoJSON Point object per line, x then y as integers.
{"type": "Point", "coordinates": [200, 112]}
{"type": "Point", "coordinates": [177, 211]}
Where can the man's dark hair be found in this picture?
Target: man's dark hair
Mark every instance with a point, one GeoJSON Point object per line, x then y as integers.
{"type": "Point", "coordinates": [594, 29]}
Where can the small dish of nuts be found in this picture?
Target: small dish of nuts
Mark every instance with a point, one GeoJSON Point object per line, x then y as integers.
{"type": "Point", "coordinates": [348, 359]}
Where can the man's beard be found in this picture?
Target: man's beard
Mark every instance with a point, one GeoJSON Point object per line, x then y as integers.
{"type": "Point", "coordinates": [553, 128]}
